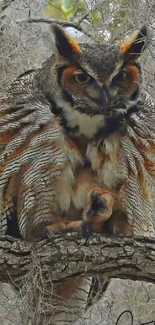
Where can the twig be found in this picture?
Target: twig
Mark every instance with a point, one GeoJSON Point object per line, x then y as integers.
{"type": "Point", "coordinates": [152, 73]}
{"type": "Point", "coordinates": [64, 23]}
{"type": "Point", "coordinates": [5, 4]}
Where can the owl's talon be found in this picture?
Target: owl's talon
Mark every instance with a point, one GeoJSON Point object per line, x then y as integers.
{"type": "Point", "coordinates": [48, 234]}
{"type": "Point", "coordinates": [85, 230]}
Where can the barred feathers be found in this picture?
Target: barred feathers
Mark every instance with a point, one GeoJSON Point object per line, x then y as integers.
{"type": "Point", "coordinates": [137, 195]}
{"type": "Point", "coordinates": [126, 162]}
{"type": "Point", "coordinates": [37, 163]}
{"type": "Point", "coordinates": [31, 156]}
{"type": "Point", "coordinates": [36, 167]}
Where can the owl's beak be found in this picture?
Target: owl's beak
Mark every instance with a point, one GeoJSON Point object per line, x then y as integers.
{"type": "Point", "coordinates": [104, 99]}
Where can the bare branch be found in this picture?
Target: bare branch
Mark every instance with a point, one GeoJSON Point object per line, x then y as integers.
{"type": "Point", "coordinates": [5, 4]}
{"type": "Point", "coordinates": [72, 255]}
{"type": "Point", "coordinates": [65, 23]}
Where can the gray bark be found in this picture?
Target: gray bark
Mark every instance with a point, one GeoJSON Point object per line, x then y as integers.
{"type": "Point", "coordinates": [70, 255]}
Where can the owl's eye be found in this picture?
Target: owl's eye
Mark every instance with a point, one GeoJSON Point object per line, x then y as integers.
{"type": "Point", "coordinates": [123, 76]}
{"type": "Point", "coordinates": [81, 78]}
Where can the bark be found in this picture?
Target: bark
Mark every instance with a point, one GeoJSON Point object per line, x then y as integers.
{"type": "Point", "coordinates": [70, 255]}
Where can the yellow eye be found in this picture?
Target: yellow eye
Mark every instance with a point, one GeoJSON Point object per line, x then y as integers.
{"type": "Point", "coordinates": [81, 78]}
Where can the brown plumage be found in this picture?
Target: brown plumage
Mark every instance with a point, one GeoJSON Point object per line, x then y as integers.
{"type": "Point", "coordinates": [77, 143]}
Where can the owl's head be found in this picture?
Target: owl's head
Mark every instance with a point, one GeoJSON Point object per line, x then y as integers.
{"type": "Point", "coordinates": [94, 83]}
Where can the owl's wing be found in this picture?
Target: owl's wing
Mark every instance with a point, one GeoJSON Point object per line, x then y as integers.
{"type": "Point", "coordinates": [31, 156]}
{"type": "Point", "coordinates": [137, 195]}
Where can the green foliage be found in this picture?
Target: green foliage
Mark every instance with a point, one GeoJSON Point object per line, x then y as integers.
{"type": "Point", "coordinates": [118, 24]}
{"type": "Point", "coordinates": [95, 16]}
{"type": "Point", "coordinates": [108, 18]}
{"type": "Point", "coordinates": [64, 9]}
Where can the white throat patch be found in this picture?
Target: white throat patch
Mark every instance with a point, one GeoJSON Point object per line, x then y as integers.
{"type": "Point", "coordinates": [88, 125]}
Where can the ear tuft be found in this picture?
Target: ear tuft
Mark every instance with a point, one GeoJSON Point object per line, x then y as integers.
{"type": "Point", "coordinates": [66, 45]}
{"type": "Point", "coordinates": [135, 45]}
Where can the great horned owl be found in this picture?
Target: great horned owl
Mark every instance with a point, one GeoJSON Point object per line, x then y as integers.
{"type": "Point", "coordinates": [79, 124]}
{"type": "Point", "coordinates": [77, 142]}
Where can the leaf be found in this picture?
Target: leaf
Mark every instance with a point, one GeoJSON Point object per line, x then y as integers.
{"type": "Point", "coordinates": [59, 9]}
{"type": "Point", "coordinates": [81, 6]}
{"type": "Point", "coordinates": [96, 16]}
{"type": "Point", "coordinates": [118, 41]}
{"type": "Point", "coordinates": [64, 9]}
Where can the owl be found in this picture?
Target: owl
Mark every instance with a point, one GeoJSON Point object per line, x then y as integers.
{"type": "Point", "coordinates": [77, 143]}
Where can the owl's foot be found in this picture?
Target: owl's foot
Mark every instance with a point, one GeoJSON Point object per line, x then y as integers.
{"type": "Point", "coordinates": [64, 227]}
{"type": "Point", "coordinates": [98, 209]}
{"type": "Point", "coordinates": [54, 229]}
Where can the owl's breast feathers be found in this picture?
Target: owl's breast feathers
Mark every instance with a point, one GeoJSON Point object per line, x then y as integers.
{"type": "Point", "coordinates": [32, 157]}
{"type": "Point", "coordinates": [126, 162]}
{"type": "Point", "coordinates": [38, 163]}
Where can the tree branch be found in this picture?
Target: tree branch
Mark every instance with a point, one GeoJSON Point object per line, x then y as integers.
{"type": "Point", "coordinates": [5, 4]}
{"type": "Point", "coordinates": [70, 255]}
{"type": "Point", "coordinates": [64, 23]}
